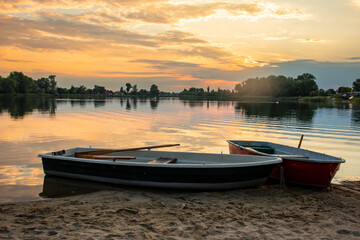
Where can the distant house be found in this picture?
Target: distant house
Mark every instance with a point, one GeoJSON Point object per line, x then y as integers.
{"type": "Point", "coordinates": [356, 94]}
{"type": "Point", "coordinates": [346, 96]}
{"type": "Point", "coordinates": [350, 95]}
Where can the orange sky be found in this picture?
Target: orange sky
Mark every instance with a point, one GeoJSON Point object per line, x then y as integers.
{"type": "Point", "coordinates": [177, 44]}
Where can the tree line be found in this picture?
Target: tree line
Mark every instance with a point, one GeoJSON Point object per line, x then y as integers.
{"type": "Point", "coordinates": [195, 92]}
{"type": "Point", "coordinates": [271, 86]}
{"type": "Point", "coordinates": [17, 82]}
{"type": "Point", "coordinates": [274, 86]}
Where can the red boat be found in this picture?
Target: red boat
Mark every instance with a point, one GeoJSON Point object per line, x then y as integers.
{"type": "Point", "coordinates": [299, 166]}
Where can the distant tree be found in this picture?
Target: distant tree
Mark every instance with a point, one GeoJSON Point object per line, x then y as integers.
{"type": "Point", "coordinates": [239, 87]}
{"type": "Point", "coordinates": [344, 89]}
{"type": "Point", "coordinates": [154, 91]}
{"type": "Point", "coordinates": [99, 89]}
{"type": "Point", "coordinates": [62, 90]}
{"type": "Point", "coordinates": [356, 85]}
{"type": "Point", "coordinates": [89, 91]}
{"type": "Point", "coordinates": [330, 92]}
{"type": "Point", "coordinates": [208, 89]}
{"type": "Point", "coordinates": [196, 91]}
{"type": "Point", "coordinates": [8, 85]}
{"type": "Point", "coordinates": [314, 93]}
{"type": "Point", "coordinates": [122, 90]}
{"type": "Point", "coordinates": [24, 84]}
{"type": "Point", "coordinates": [272, 85]}
{"type": "Point", "coordinates": [72, 90]}
{"type": "Point", "coordinates": [143, 92]}
{"type": "Point", "coordinates": [81, 90]}
{"type": "Point", "coordinates": [109, 92]}
{"type": "Point", "coordinates": [44, 84]}
{"type": "Point", "coordinates": [306, 84]}
{"type": "Point", "coordinates": [321, 92]}
{"type": "Point", "coordinates": [134, 89]}
{"type": "Point", "coordinates": [128, 87]}
{"type": "Point", "coordinates": [53, 84]}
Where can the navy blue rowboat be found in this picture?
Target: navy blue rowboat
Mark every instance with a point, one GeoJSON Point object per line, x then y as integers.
{"type": "Point", "coordinates": [162, 169]}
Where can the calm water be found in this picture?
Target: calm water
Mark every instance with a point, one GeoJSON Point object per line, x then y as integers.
{"type": "Point", "coordinates": [29, 126]}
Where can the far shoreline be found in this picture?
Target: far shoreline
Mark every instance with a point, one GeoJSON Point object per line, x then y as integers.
{"type": "Point", "coordinates": [250, 99]}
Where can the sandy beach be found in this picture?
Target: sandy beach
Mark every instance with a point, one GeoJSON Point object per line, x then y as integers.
{"type": "Point", "coordinates": [266, 212]}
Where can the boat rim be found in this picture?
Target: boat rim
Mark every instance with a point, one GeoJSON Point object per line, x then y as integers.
{"type": "Point", "coordinates": [268, 160]}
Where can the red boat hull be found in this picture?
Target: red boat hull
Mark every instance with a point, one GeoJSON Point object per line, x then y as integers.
{"type": "Point", "coordinates": [298, 171]}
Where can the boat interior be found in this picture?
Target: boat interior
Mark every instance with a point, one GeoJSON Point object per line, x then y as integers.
{"type": "Point", "coordinates": [273, 149]}
{"type": "Point", "coordinates": [164, 157]}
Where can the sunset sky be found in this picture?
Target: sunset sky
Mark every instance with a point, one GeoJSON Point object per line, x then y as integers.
{"type": "Point", "coordinates": [179, 44]}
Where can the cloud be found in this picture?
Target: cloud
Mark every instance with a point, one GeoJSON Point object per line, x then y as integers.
{"type": "Point", "coordinates": [355, 3]}
{"type": "Point", "coordinates": [53, 31]}
{"type": "Point", "coordinates": [309, 40]}
{"type": "Point", "coordinates": [156, 11]}
{"type": "Point", "coordinates": [14, 60]}
{"type": "Point", "coordinates": [275, 38]}
{"type": "Point", "coordinates": [57, 33]}
{"type": "Point", "coordinates": [97, 18]}
{"type": "Point", "coordinates": [353, 58]}
{"type": "Point", "coordinates": [59, 26]}
{"type": "Point", "coordinates": [208, 52]}
{"type": "Point", "coordinates": [14, 6]}
{"type": "Point", "coordinates": [171, 13]}
{"type": "Point", "coordinates": [95, 25]}
{"type": "Point", "coordinates": [131, 73]}
{"type": "Point", "coordinates": [176, 36]}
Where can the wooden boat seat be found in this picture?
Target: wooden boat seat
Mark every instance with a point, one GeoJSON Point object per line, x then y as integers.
{"type": "Point", "coordinates": [164, 160]}
{"type": "Point", "coordinates": [263, 149]}
{"type": "Point", "coordinates": [292, 156]}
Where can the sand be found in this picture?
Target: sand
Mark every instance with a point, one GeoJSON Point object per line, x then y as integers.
{"type": "Point", "coordinates": [266, 212]}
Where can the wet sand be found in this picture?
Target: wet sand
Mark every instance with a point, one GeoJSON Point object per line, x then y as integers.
{"type": "Point", "coordinates": [266, 212]}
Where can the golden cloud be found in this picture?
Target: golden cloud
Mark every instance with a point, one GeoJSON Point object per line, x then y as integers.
{"type": "Point", "coordinates": [309, 40]}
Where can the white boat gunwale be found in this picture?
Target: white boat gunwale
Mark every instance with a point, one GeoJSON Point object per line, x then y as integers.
{"type": "Point", "coordinates": [327, 158]}
{"type": "Point", "coordinates": [259, 160]}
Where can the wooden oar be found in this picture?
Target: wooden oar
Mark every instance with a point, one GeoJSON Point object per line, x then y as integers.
{"type": "Point", "coordinates": [301, 138]}
{"type": "Point", "coordinates": [106, 157]}
{"type": "Point", "coordinates": [107, 151]}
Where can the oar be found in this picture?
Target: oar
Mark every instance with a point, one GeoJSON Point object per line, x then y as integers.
{"type": "Point", "coordinates": [301, 138]}
{"type": "Point", "coordinates": [107, 151]}
{"type": "Point", "coordinates": [106, 157]}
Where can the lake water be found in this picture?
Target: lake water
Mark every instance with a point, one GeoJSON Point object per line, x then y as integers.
{"type": "Point", "coordinates": [31, 125]}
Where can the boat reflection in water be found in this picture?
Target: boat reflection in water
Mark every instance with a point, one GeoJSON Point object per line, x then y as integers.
{"type": "Point", "coordinates": [58, 187]}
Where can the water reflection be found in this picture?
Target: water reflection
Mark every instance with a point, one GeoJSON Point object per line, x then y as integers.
{"type": "Point", "coordinates": [29, 175]}
{"type": "Point", "coordinates": [154, 103]}
{"type": "Point", "coordinates": [301, 112]}
{"type": "Point", "coordinates": [57, 187]}
{"type": "Point", "coordinates": [207, 103]}
{"type": "Point", "coordinates": [356, 115]}
{"type": "Point", "coordinates": [20, 106]}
